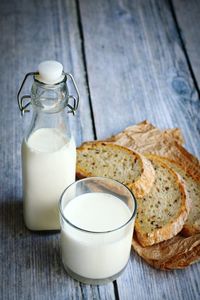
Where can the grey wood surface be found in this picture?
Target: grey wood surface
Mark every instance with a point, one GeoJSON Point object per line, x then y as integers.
{"type": "Point", "coordinates": [130, 63]}
{"type": "Point", "coordinates": [187, 14]}
{"type": "Point", "coordinates": [137, 69]}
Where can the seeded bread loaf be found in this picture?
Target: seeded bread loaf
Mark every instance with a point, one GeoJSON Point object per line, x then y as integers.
{"type": "Point", "coordinates": [163, 212]}
{"type": "Point", "coordinates": [192, 184]}
{"type": "Point", "coordinates": [116, 162]}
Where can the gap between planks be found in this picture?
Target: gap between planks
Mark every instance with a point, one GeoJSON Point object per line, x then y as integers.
{"type": "Point", "coordinates": [80, 27]}
{"type": "Point", "coordinates": [173, 12]}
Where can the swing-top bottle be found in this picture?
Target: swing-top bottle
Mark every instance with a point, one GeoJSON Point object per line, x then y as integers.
{"type": "Point", "coordinates": [48, 149]}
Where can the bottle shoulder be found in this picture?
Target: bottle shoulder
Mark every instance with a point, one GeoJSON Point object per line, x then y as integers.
{"type": "Point", "coordinates": [47, 140]}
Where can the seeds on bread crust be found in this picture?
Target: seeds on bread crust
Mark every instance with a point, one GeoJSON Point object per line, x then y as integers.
{"type": "Point", "coordinates": [162, 213]}
{"type": "Point", "coordinates": [117, 162]}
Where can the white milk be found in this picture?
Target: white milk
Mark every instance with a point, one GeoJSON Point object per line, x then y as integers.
{"type": "Point", "coordinates": [96, 255]}
{"type": "Point", "coordinates": [48, 166]}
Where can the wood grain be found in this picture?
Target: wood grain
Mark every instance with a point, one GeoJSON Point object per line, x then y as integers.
{"type": "Point", "coordinates": [32, 31]}
{"type": "Point", "coordinates": [148, 283]}
{"type": "Point", "coordinates": [187, 14]}
{"type": "Point", "coordinates": [137, 69]}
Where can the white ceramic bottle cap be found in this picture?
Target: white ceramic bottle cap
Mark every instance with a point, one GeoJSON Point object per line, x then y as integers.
{"type": "Point", "coordinates": [50, 72]}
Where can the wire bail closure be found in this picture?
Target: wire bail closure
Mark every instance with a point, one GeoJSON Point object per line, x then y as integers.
{"type": "Point", "coordinates": [75, 99]}
{"type": "Point", "coordinates": [23, 106]}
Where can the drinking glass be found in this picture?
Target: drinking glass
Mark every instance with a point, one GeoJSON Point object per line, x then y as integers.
{"type": "Point", "coordinates": [97, 256]}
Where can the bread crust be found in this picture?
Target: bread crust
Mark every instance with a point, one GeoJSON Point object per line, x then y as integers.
{"type": "Point", "coordinates": [188, 229]}
{"type": "Point", "coordinates": [141, 186]}
{"type": "Point", "coordinates": [175, 226]}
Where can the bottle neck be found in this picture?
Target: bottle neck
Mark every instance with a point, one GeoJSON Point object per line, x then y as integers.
{"type": "Point", "coordinates": [49, 99]}
{"type": "Point", "coordinates": [49, 104]}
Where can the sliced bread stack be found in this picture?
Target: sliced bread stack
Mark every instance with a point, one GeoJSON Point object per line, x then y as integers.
{"type": "Point", "coordinates": [167, 192]}
{"type": "Point", "coordinates": [181, 251]}
{"type": "Point", "coordinates": [146, 138]}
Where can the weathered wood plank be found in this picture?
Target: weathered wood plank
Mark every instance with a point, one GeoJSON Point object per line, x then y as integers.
{"type": "Point", "coordinates": [32, 31]}
{"type": "Point", "coordinates": [187, 14]}
{"type": "Point", "coordinates": [137, 70]}
{"type": "Point", "coordinates": [140, 281]}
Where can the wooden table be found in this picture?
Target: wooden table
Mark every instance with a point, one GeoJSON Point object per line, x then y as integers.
{"type": "Point", "coordinates": [133, 60]}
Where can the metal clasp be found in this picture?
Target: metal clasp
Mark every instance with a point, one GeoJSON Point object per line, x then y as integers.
{"type": "Point", "coordinates": [75, 99]}
{"type": "Point", "coordinates": [22, 106]}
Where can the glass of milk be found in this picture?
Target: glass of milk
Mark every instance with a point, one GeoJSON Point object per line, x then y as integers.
{"type": "Point", "coordinates": [97, 219]}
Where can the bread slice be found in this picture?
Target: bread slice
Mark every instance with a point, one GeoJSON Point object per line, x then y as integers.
{"type": "Point", "coordinates": [116, 162]}
{"type": "Point", "coordinates": [192, 184]}
{"type": "Point", "coordinates": [163, 212]}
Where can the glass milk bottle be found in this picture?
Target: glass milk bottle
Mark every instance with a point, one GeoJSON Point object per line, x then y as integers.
{"type": "Point", "coordinates": [48, 149]}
